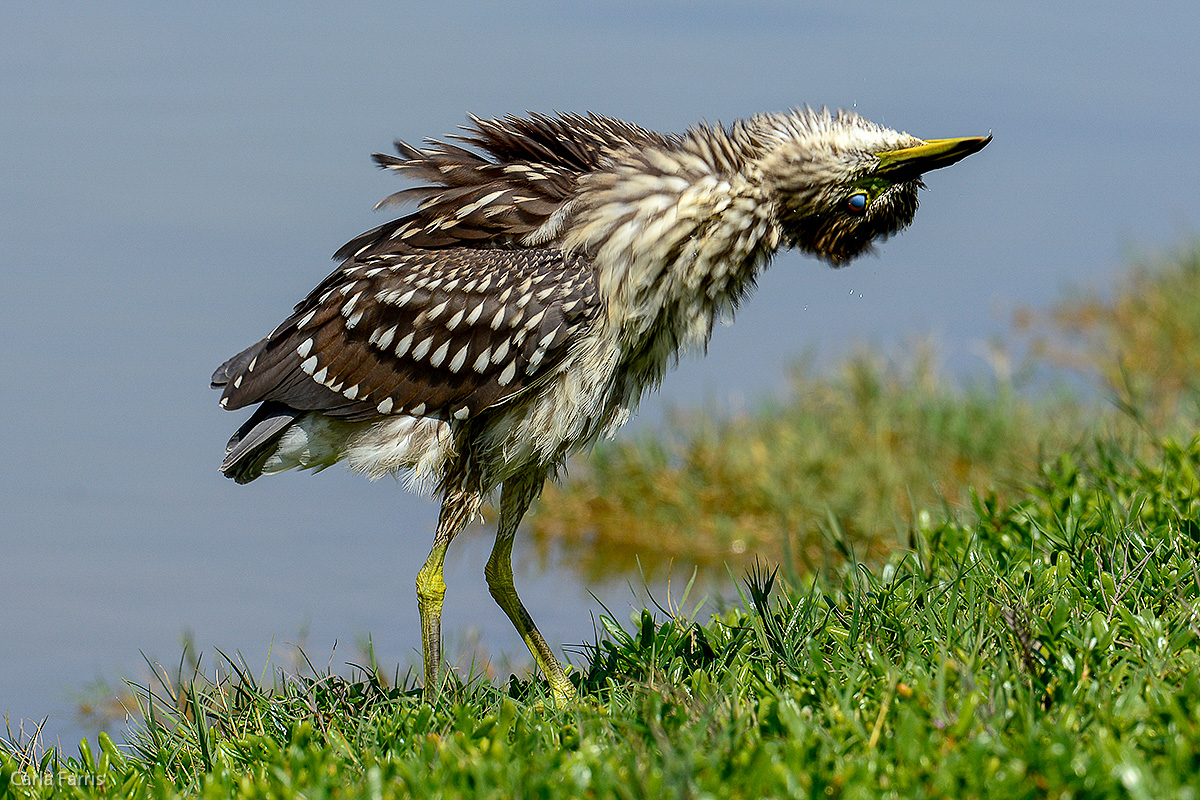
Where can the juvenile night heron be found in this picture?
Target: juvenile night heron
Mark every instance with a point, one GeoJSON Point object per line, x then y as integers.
{"type": "Point", "coordinates": [554, 269]}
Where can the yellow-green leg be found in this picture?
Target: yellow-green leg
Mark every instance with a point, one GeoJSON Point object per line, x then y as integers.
{"type": "Point", "coordinates": [458, 507]}
{"type": "Point", "coordinates": [517, 494]}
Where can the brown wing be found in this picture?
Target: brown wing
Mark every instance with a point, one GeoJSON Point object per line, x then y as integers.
{"type": "Point", "coordinates": [440, 334]}
{"type": "Point", "coordinates": [520, 171]}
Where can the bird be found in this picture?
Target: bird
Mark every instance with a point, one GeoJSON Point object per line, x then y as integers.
{"type": "Point", "coordinates": [555, 266]}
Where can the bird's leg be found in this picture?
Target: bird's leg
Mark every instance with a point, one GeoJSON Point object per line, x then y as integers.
{"type": "Point", "coordinates": [515, 497]}
{"type": "Point", "coordinates": [459, 506]}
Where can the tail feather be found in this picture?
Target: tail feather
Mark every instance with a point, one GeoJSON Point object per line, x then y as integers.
{"type": "Point", "coordinates": [257, 440]}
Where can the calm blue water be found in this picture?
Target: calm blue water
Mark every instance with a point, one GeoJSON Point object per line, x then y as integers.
{"type": "Point", "coordinates": [174, 178]}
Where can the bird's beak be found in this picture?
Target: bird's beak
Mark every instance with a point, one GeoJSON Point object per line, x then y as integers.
{"type": "Point", "coordinates": [929, 155]}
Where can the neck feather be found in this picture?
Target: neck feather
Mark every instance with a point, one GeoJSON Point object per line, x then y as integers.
{"type": "Point", "coordinates": [676, 235]}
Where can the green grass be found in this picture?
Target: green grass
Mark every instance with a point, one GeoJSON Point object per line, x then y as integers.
{"type": "Point", "coordinates": [1027, 627]}
{"type": "Point", "coordinates": [1049, 648]}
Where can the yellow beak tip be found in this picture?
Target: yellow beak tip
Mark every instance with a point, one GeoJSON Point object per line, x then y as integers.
{"type": "Point", "coordinates": [931, 154]}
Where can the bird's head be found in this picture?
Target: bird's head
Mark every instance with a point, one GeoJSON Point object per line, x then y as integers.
{"type": "Point", "coordinates": [840, 181]}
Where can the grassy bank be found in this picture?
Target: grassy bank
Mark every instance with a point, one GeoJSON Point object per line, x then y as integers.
{"type": "Point", "coordinates": [1047, 648]}
{"type": "Point", "coordinates": [842, 463]}
{"type": "Point", "coordinates": [979, 594]}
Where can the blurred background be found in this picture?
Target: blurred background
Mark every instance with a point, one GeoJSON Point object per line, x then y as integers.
{"type": "Point", "coordinates": [175, 177]}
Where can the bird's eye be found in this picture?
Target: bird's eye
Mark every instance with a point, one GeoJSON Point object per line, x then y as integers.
{"type": "Point", "coordinates": [857, 202]}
